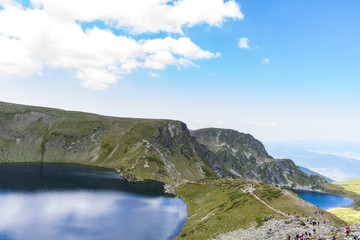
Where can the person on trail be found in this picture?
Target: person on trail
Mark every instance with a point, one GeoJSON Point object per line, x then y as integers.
{"type": "Point", "coordinates": [347, 230]}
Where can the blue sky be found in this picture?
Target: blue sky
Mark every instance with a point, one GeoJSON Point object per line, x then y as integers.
{"type": "Point", "coordinates": [298, 80]}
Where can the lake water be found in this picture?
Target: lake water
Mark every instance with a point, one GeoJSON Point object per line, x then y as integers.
{"type": "Point", "coordinates": [64, 201]}
{"type": "Point", "coordinates": [324, 200]}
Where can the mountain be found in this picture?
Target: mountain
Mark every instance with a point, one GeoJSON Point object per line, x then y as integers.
{"type": "Point", "coordinates": [140, 148]}
{"type": "Point", "coordinates": [243, 156]}
{"type": "Point", "coordinates": [309, 172]}
{"type": "Point", "coordinates": [314, 158]}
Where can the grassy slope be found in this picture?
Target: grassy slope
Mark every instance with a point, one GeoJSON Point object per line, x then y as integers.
{"type": "Point", "coordinates": [219, 206]}
{"type": "Point", "coordinates": [349, 214]}
{"type": "Point", "coordinates": [139, 148]}
{"type": "Point", "coordinates": [214, 209]}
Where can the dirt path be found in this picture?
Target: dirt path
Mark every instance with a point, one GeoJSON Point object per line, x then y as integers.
{"type": "Point", "coordinates": [265, 203]}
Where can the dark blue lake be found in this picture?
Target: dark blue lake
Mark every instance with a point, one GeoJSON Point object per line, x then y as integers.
{"type": "Point", "coordinates": [64, 201]}
{"type": "Point", "coordinates": [324, 200]}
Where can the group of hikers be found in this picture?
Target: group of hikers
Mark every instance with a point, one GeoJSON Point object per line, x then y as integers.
{"type": "Point", "coordinates": [309, 235]}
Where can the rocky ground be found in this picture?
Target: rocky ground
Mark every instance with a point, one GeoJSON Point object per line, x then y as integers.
{"type": "Point", "coordinates": [280, 229]}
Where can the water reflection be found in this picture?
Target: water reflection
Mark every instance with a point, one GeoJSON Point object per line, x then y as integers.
{"type": "Point", "coordinates": [88, 214]}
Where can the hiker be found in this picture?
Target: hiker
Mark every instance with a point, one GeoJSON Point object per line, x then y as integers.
{"type": "Point", "coordinates": [347, 230]}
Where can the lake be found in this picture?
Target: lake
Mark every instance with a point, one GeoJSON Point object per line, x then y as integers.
{"type": "Point", "coordinates": [65, 201]}
{"type": "Point", "coordinates": [324, 200]}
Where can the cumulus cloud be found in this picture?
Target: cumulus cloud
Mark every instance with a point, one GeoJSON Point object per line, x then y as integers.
{"type": "Point", "coordinates": [244, 43]}
{"type": "Point", "coordinates": [50, 34]}
{"type": "Point", "coordinates": [141, 16]}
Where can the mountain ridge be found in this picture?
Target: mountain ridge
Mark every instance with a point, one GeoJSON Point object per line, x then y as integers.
{"type": "Point", "coordinates": [136, 148]}
{"type": "Point", "coordinates": [244, 156]}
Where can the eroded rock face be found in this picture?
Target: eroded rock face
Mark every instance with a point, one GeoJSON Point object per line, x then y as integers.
{"type": "Point", "coordinates": [139, 148]}
{"type": "Point", "coordinates": [240, 155]}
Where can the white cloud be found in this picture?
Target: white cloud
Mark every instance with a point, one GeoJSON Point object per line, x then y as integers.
{"type": "Point", "coordinates": [244, 43]}
{"type": "Point", "coordinates": [141, 16]}
{"type": "Point", "coordinates": [49, 35]}
{"type": "Point", "coordinates": [266, 60]}
{"type": "Point", "coordinates": [154, 75]}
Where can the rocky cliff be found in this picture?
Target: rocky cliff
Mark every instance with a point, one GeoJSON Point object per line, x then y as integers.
{"type": "Point", "coordinates": [139, 148]}
{"type": "Point", "coordinates": [243, 156]}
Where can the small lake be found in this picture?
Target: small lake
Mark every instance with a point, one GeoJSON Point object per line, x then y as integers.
{"type": "Point", "coordinates": [41, 201]}
{"type": "Point", "coordinates": [324, 200]}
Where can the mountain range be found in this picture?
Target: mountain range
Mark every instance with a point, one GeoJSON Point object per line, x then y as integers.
{"type": "Point", "coordinates": [141, 148]}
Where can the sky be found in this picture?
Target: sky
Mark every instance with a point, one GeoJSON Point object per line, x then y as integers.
{"type": "Point", "coordinates": [280, 70]}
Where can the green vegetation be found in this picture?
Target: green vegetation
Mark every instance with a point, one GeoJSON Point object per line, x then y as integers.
{"type": "Point", "coordinates": [352, 185]}
{"type": "Point", "coordinates": [138, 148]}
{"type": "Point", "coordinates": [164, 150]}
{"type": "Point", "coordinates": [214, 209]}
{"type": "Point", "coordinates": [267, 193]}
{"type": "Point", "coordinates": [349, 214]}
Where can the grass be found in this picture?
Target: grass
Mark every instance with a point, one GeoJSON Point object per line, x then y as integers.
{"type": "Point", "coordinates": [290, 203]}
{"type": "Point", "coordinates": [52, 135]}
{"type": "Point", "coordinates": [352, 185]}
{"type": "Point", "coordinates": [349, 214]}
{"type": "Point", "coordinates": [214, 209]}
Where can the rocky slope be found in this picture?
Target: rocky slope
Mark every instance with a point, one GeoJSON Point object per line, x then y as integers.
{"type": "Point", "coordinates": [140, 148]}
{"type": "Point", "coordinates": [243, 156]}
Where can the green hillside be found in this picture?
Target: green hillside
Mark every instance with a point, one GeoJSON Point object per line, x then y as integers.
{"type": "Point", "coordinates": [137, 148]}
{"type": "Point", "coordinates": [200, 167]}
{"type": "Point", "coordinates": [223, 205]}
{"type": "Point", "coordinates": [349, 214]}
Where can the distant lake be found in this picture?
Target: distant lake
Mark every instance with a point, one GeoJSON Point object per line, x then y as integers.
{"type": "Point", "coordinates": [41, 201]}
{"type": "Point", "coordinates": [324, 200]}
